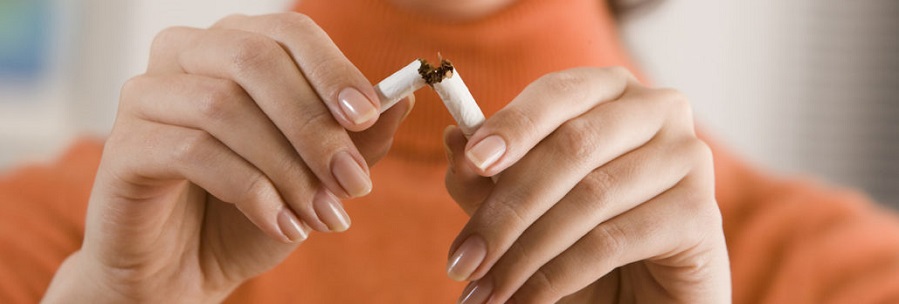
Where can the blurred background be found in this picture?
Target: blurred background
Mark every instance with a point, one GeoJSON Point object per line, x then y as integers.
{"type": "Point", "coordinates": [803, 87]}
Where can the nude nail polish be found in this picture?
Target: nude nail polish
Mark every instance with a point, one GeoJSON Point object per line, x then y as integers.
{"type": "Point", "coordinates": [290, 226]}
{"type": "Point", "coordinates": [356, 106]}
{"type": "Point", "coordinates": [486, 152]}
{"type": "Point", "coordinates": [354, 180]}
{"type": "Point", "coordinates": [330, 211]}
{"type": "Point", "coordinates": [467, 258]}
{"type": "Point", "coordinates": [477, 293]}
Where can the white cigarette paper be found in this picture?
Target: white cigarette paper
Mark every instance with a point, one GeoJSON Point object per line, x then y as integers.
{"type": "Point", "coordinates": [449, 86]}
{"type": "Point", "coordinates": [451, 89]}
{"type": "Point", "coordinates": [399, 85]}
{"type": "Point", "coordinates": [458, 100]}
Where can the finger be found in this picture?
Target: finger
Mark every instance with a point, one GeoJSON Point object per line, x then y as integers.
{"type": "Point", "coordinates": [222, 109]}
{"type": "Point", "coordinates": [375, 141]}
{"type": "Point", "coordinates": [607, 192]}
{"type": "Point", "coordinates": [678, 233]}
{"type": "Point", "coordinates": [346, 92]}
{"type": "Point", "coordinates": [539, 180]}
{"type": "Point", "coordinates": [267, 73]}
{"type": "Point", "coordinates": [540, 109]}
{"type": "Point", "coordinates": [465, 186]}
{"type": "Point", "coordinates": [170, 153]}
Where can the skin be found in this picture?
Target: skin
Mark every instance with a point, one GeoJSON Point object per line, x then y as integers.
{"type": "Point", "coordinates": [623, 207]}
{"type": "Point", "coordinates": [236, 132]}
{"type": "Point", "coordinates": [230, 130]}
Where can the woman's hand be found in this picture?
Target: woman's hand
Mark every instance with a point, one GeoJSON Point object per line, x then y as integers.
{"type": "Point", "coordinates": [606, 195]}
{"type": "Point", "coordinates": [223, 156]}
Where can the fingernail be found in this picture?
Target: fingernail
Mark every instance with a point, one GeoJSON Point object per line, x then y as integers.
{"type": "Point", "coordinates": [350, 175]}
{"type": "Point", "coordinates": [467, 258]}
{"type": "Point", "coordinates": [487, 152]}
{"type": "Point", "coordinates": [330, 211]}
{"type": "Point", "coordinates": [290, 226]}
{"type": "Point", "coordinates": [356, 106]}
{"type": "Point", "coordinates": [477, 292]}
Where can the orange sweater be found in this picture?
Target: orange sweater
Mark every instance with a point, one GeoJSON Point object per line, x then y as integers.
{"type": "Point", "coordinates": [789, 241]}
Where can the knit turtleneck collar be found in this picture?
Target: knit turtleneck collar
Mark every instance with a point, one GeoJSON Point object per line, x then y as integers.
{"type": "Point", "coordinates": [497, 55]}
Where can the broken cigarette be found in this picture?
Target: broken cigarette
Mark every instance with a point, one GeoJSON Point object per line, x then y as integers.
{"type": "Point", "coordinates": [445, 80]}
{"type": "Point", "coordinates": [399, 85]}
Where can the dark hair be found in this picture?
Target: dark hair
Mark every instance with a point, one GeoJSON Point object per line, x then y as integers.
{"type": "Point", "coordinates": [625, 8]}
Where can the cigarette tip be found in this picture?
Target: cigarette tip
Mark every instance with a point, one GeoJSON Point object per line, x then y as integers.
{"type": "Point", "coordinates": [432, 74]}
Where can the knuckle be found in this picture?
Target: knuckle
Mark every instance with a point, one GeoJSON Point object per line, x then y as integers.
{"type": "Point", "coordinates": [599, 186]}
{"type": "Point", "coordinates": [564, 81]}
{"type": "Point", "coordinates": [329, 70]}
{"type": "Point", "coordinates": [576, 137]}
{"type": "Point", "coordinates": [699, 201]}
{"type": "Point", "coordinates": [505, 211]}
{"type": "Point", "coordinates": [707, 219]}
{"type": "Point", "coordinates": [611, 241]}
{"type": "Point", "coordinates": [311, 125]}
{"type": "Point", "coordinates": [164, 39]}
{"type": "Point", "coordinates": [253, 52]}
{"type": "Point", "coordinates": [714, 219]}
{"type": "Point", "coordinates": [515, 118]}
{"type": "Point", "coordinates": [131, 89]}
{"type": "Point", "coordinates": [229, 19]}
{"type": "Point", "coordinates": [285, 22]}
{"type": "Point", "coordinates": [700, 150]}
{"type": "Point", "coordinates": [679, 102]}
{"type": "Point", "coordinates": [516, 257]}
{"type": "Point", "coordinates": [191, 148]}
{"type": "Point", "coordinates": [288, 22]}
{"type": "Point", "coordinates": [541, 288]}
{"type": "Point", "coordinates": [620, 71]}
{"type": "Point", "coordinates": [219, 101]}
{"type": "Point", "coordinates": [257, 189]}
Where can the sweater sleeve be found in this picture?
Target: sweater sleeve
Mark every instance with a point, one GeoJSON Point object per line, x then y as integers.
{"type": "Point", "coordinates": [42, 210]}
{"type": "Point", "coordinates": [793, 241]}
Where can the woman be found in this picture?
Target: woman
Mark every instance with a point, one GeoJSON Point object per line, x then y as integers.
{"type": "Point", "coordinates": [241, 139]}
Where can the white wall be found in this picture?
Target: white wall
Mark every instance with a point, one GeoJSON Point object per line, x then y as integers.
{"type": "Point", "coordinates": [727, 57]}
{"type": "Point", "coordinates": [801, 86]}
{"type": "Point", "coordinates": [99, 45]}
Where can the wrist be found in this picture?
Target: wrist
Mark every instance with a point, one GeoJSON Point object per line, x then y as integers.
{"type": "Point", "coordinates": [79, 281]}
{"type": "Point", "coordinates": [75, 283]}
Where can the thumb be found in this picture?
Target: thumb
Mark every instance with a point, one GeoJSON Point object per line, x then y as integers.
{"type": "Point", "coordinates": [466, 187]}
{"type": "Point", "coordinates": [374, 142]}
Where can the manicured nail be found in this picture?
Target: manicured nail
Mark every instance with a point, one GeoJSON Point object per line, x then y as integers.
{"type": "Point", "coordinates": [477, 292]}
{"type": "Point", "coordinates": [487, 152]}
{"type": "Point", "coordinates": [350, 175]}
{"type": "Point", "coordinates": [290, 226]}
{"type": "Point", "coordinates": [330, 211]}
{"type": "Point", "coordinates": [356, 106]}
{"type": "Point", "coordinates": [467, 258]}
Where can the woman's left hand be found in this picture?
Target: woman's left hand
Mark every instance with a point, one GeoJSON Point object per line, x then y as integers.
{"type": "Point", "coordinates": [606, 195]}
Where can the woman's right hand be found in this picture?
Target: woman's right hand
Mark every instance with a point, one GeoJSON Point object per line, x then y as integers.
{"type": "Point", "coordinates": [224, 155]}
